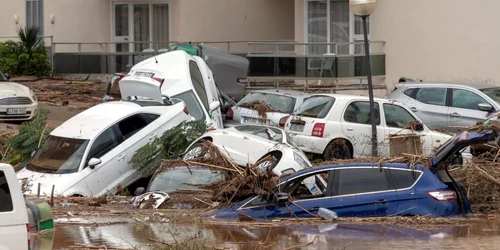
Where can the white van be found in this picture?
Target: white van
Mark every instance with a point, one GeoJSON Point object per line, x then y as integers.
{"type": "Point", "coordinates": [14, 226]}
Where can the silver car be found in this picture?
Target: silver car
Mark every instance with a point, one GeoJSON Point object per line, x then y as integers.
{"type": "Point", "coordinates": [449, 105]}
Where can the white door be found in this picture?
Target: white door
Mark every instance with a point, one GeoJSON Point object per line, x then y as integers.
{"type": "Point", "coordinates": [357, 127]}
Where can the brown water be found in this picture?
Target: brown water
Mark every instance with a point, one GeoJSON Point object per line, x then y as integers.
{"type": "Point", "coordinates": [196, 235]}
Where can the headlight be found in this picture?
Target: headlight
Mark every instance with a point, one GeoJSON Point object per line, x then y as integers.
{"type": "Point", "coordinates": [33, 96]}
{"type": "Point", "coordinates": [300, 160]}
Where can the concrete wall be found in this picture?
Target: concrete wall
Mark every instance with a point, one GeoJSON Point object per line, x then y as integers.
{"type": "Point", "coordinates": [7, 25]}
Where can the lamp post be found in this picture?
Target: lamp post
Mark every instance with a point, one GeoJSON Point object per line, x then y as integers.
{"type": "Point", "coordinates": [363, 9]}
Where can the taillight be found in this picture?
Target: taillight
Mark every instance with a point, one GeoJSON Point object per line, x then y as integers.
{"type": "Point", "coordinates": [211, 129]}
{"type": "Point", "coordinates": [443, 195]}
{"type": "Point", "coordinates": [283, 121]}
{"type": "Point", "coordinates": [186, 110]}
{"type": "Point", "coordinates": [28, 230]}
{"type": "Point", "coordinates": [318, 130]}
{"type": "Point", "coordinates": [229, 114]}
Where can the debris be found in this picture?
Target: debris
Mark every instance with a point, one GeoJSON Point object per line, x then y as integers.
{"type": "Point", "coordinates": [150, 200]}
{"type": "Point", "coordinates": [261, 107]}
{"type": "Point", "coordinates": [405, 143]}
{"type": "Point", "coordinates": [327, 214]}
{"type": "Point", "coordinates": [244, 217]}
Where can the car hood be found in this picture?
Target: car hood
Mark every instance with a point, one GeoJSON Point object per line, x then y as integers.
{"type": "Point", "coordinates": [141, 86]}
{"type": "Point", "coordinates": [8, 89]}
{"type": "Point", "coordinates": [62, 182]}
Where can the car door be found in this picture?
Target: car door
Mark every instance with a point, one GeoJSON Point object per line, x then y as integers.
{"type": "Point", "coordinates": [356, 126]}
{"type": "Point", "coordinates": [363, 191]}
{"type": "Point", "coordinates": [105, 147]}
{"type": "Point", "coordinates": [304, 202]}
{"type": "Point", "coordinates": [403, 180]}
{"type": "Point", "coordinates": [464, 108]}
{"type": "Point", "coordinates": [429, 104]}
{"type": "Point", "coordinates": [397, 119]}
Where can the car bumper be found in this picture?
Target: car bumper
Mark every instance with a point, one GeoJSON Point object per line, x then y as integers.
{"type": "Point", "coordinates": [310, 144]}
{"type": "Point", "coordinates": [31, 111]}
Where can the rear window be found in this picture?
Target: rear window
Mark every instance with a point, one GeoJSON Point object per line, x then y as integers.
{"type": "Point", "coordinates": [404, 178]}
{"type": "Point", "coordinates": [315, 106]}
{"type": "Point", "coordinates": [281, 103]}
{"type": "Point", "coordinates": [5, 198]}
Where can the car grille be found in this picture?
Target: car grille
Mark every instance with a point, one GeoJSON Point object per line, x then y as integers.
{"type": "Point", "coordinates": [15, 100]}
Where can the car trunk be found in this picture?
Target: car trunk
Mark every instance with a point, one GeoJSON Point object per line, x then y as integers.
{"type": "Point", "coordinates": [249, 116]}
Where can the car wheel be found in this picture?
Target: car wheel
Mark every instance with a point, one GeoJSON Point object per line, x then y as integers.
{"type": "Point", "coordinates": [337, 149]}
{"type": "Point", "coordinates": [268, 164]}
{"type": "Point", "coordinates": [198, 150]}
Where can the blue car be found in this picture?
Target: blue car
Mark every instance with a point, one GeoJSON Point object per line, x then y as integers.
{"type": "Point", "coordinates": [363, 190]}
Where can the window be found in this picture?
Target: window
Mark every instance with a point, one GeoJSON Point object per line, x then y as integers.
{"type": "Point", "coordinates": [433, 96]}
{"type": "Point", "coordinates": [315, 106]}
{"type": "Point", "coordinates": [5, 198]}
{"type": "Point", "coordinates": [396, 116]}
{"type": "Point", "coordinates": [410, 92]}
{"type": "Point", "coordinates": [184, 177]}
{"type": "Point", "coordinates": [359, 112]}
{"type": "Point", "coordinates": [404, 178]}
{"type": "Point", "coordinates": [466, 100]}
{"type": "Point", "coordinates": [493, 93]}
{"type": "Point", "coordinates": [131, 125]}
{"type": "Point", "coordinates": [332, 22]}
{"type": "Point", "coordinates": [281, 103]}
{"type": "Point", "coordinates": [104, 143]}
{"type": "Point", "coordinates": [362, 180]}
{"type": "Point", "coordinates": [151, 117]}
{"type": "Point", "coordinates": [192, 104]}
{"type": "Point", "coordinates": [198, 83]}
{"type": "Point", "coordinates": [34, 14]}
{"type": "Point", "coordinates": [308, 186]}
{"type": "Point", "coordinates": [272, 134]}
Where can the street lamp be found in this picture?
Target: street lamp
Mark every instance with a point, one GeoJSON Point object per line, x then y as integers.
{"type": "Point", "coordinates": [363, 9]}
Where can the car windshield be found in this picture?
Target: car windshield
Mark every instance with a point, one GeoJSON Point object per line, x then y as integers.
{"type": "Point", "coordinates": [58, 155]}
{"type": "Point", "coordinates": [267, 133]}
{"type": "Point", "coordinates": [281, 103]}
{"type": "Point", "coordinates": [2, 77]}
{"type": "Point", "coordinates": [183, 178]}
{"type": "Point", "coordinates": [192, 104]}
{"type": "Point", "coordinates": [315, 106]}
{"type": "Point", "coordinates": [493, 93]}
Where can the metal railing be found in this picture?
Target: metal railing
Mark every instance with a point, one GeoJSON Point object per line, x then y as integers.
{"type": "Point", "coordinates": [313, 49]}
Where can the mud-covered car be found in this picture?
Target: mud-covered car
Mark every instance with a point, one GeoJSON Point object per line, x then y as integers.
{"type": "Point", "coordinates": [366, 189]}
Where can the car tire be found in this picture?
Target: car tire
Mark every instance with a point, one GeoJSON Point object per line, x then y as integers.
{"type": "Point", "coordinates": [268, 164]}
{"type": "Point", "coordinates": [198, 150]}
{"type": "Point", "coordinates": [337, 149]}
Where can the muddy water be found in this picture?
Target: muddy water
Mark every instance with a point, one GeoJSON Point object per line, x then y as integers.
{"type": "Point", "coordinates": [196, 235]}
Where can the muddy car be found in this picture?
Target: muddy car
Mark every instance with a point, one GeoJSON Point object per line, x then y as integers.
{"type": "Point", "coordinates": [366, 189]}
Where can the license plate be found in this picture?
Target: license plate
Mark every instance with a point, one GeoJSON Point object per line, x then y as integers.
{"type": "Point", "coordinates": [146, 74]}
{"type": "Point", "coordinates": [16, 111]}
{"type": "Point", "coordinates": [251, 120]}
{"type": "Point", "coordinates": [297, 127]}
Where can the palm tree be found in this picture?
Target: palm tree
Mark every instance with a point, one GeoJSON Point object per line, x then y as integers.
{"type": "Point", "coordinates": [30, 38]}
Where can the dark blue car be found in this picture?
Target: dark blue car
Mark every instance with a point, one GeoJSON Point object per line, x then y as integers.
{"type": "Point", "coordinates": [367, 190]}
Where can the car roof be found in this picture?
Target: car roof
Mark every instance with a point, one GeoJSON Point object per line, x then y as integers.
{"type": "Point", "coordinates": [287, 92]}
{"type": "Point", "coordinates": [350, 97]}
{"type": "Point", "coordinates": [450, 84]}
{"type": "Point", "coordinates": [87, 124]}
{"type": "Point", "coordinates": [351, 165]}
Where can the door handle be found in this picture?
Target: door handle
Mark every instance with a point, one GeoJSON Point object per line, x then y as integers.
{"type": "Point", "coordinates": [152, 136]}
{"type": "Point", "coordinates": [245, 138]}
{"type": "Point", "coordinates": [455, 114]}
{"type": "Point", "coordinates": [121, 157]}
{"type": "Point", "coordinates": [350, 129]}
{"type": "Point", "coordinates": [381, 201]}
{"type": "Point", "coordinates": [413, 109]}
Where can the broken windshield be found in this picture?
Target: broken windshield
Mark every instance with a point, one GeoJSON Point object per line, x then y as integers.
{"type": "Point", "coordinates": [281, 103]}
{"type": "Point", "coordinates": [58, 155]}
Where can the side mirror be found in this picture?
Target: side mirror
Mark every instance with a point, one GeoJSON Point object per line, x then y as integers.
{"type": "Point", "coordinates": [214, 105]}
{"type": "Point", "coordinates": [94, 162]}
{"type": "Point", "coordinates": [485, 107]}
{"type": "Point", "coordinates": [281, 197]}
{"type": "Point", "coordinates": [7, 76]}
{"type": "Point", "coordinates": [419, 126]}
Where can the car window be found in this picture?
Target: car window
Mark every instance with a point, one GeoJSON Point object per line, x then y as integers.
{"type": "Point", "coordinates": [104, 143]}
{"type": "Point", "coordinates": [198, 83]}
{"type": "Point", "coordinates": [404, 178]}
{"type": "Point", "coordinates": [151, 117]}
{"type": "Point", "coordinates": [192, 104]}
{"type": "Point", "coordinates": [397, 116]}
{"type": "Point", "coordinates": [184, 177]}
{"type": "Point", "coordinates": [362, 180]}
{"type": "Point", "coordinates": [131, 125]}
{"type": "Point", "coordinates": [315, 106]}
{"type": "Point", "coordinates": [409, 92]}
{"type": "Point", "coordinates": [493, 93]}
{"type": "Point", "coordinates": [5, 198]}
{"type": "Point", "coordinates": [466, 99]}
{"type": "Point", "coordinates": [281, 103]}
{"type": "Point", "coordinates": [359, 112]}
{"type": "Point", "coordinates": [309, 186]}
{"type": "Point", "coordinates": [433, 96]}
{"type": "Point", "coordinates": [264, 132]}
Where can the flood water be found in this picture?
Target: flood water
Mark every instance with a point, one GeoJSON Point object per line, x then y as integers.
{"type": "Point", "coordinates": [132, 234]}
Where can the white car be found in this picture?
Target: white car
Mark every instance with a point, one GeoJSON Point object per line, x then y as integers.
{"type": "Point", "coordinates": [187, 78]}
{"type": "Point", "coordinates": [17, 102]}
{"type": "Point", "coordinates": [90, 154]}
{"type": "Point", "coordinates": [284, 102]}
{"type": "Point", "coordinates": [248, 144]}
{"type": "Point", "coordinates": [338, 126]}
